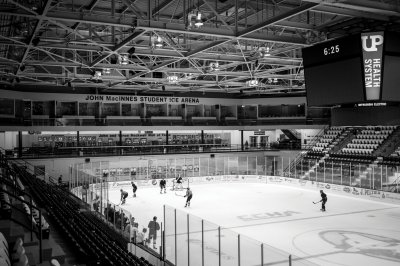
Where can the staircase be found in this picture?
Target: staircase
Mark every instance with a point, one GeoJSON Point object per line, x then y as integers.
{"type": "Point", "coordinates": [389, 145]}
{"type": "Point", "coordinates": [290, 168]}
{"type": "Point", "coordinates": [312, 169]}
{"type": "Point", "coordinates": [341, 142]}
{"type": "Point", "coordinates": [292, 134]}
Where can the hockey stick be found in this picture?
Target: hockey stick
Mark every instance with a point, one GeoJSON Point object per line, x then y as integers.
{"type": "Point", "coordinates": [179, 195]}
{"type": "Point", "coordinates": [316, 202]}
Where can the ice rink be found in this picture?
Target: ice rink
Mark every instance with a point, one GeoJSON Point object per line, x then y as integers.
{"type": "Point", "coordinates": [351, 231]}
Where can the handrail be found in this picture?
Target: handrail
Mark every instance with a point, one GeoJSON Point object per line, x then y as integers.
{"type": "Point", "coordinates": [302, 154]}
{"type": "Point", "coordinates": [98, 151]}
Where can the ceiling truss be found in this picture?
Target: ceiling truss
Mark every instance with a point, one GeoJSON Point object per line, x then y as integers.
{"type": "Point", "coordinates": [136, 45]}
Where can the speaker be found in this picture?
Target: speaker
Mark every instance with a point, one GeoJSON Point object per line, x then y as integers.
{"type": "Point", "coordinates": [212, 155]}
{"type": "Point", "coordinates": [216, 106]}
{"type": "Point", "coordinates": [87, 160]}
{"type": "Point", "coordinates": [183, 106]}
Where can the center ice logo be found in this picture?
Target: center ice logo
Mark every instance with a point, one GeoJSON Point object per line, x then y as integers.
{"type": "Point", "coordinates": [381, 247]}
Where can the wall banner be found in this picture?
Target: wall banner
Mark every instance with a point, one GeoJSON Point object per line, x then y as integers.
{"type": "Point", "coordinates": [372, 48]}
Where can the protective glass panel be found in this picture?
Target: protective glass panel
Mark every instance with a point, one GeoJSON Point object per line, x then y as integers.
{"type": "Point", "coordinates": [195, 241]}
{"type": "Point", "coordinates": [229, 247]}
{"type": "Point", "coordinates": [250, 251]}
{"type": "Point", "coordinates": [211, 244]}
{"type": "Point", "coordinates": [169, 234]}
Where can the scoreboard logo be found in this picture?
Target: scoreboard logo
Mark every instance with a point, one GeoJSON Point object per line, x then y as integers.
{"type": "Point", "coordinates": [372, 44]}
{"type": "Point", "coordinates": [375, 40]}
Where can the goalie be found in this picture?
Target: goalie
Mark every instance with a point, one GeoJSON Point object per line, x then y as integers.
{"type": "Point", "coordinates": [177, 183]}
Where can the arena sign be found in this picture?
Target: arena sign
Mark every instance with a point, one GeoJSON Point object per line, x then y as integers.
{"type": "Point", "coordinates": [140, 99]}
{"type": "Point", "coordinates": [372, 48]}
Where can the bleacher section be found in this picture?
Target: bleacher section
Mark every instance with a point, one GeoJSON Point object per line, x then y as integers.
{"type": "Point", "coordinates": [396, 153]}
{"type": "Point", "coordinates": [90, 237]}
{"type": "Point", "coordinates": [323, 145]}
{"type": "Point", "coordinates": [368, 140]}
{"type": "Point", "coordinates": [12, 256]}
{"type": "Point", "coordinates": [349, 155]}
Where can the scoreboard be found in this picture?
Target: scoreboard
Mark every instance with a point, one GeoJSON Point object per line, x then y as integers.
{"type": "Point", "coordinates": [355, 69]}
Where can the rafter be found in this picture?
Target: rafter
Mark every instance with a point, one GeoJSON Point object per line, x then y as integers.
{"type": "Point", "coordinates": [117, 47]}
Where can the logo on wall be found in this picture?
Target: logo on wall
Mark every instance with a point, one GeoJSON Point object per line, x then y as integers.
{"type": "Point", "coordinates": [346, 189]}
{"type": "Point", "coordinates": [154, 182]}
{"type": "Point", "coordinates": [372, 44]}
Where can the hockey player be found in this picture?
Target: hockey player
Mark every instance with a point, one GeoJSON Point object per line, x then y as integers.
{"type": "Point", "coordinates": [124, 195]}
{"type": "Point", "coordinates": [134, 188]}
{"type": "Point", "coordinates": [324, 199]}
{"type": "Point", "coordinates": [189, 195]}
{"type": "Point", "coordinates": [162, 185]}
{"type": "Point", "coordinates": [153, 226]}
{"type": "Point", "coordinates": [179, 182]}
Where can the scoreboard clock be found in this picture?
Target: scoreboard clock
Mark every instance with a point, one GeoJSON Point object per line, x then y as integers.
{"type": "Point", "coordinates": [331, 51]}
{"type": "Point", "coordinates": [354, 69]}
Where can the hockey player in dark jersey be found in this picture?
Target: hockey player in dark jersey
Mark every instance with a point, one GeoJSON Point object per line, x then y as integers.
{"type": "Point", "coordinates": [134, 188]}
{"type": "Point", "coordinates": [124, 195]}
{"type": "Point", "coordinates": [189, 195]}
{"type": "Point", "coordinates": [162, 185]}
{"type": "Point", "coordinates": [324, 199]}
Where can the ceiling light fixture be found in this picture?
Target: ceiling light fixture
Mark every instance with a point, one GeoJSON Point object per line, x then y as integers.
{"type": "Point", "coordinates": [172, 79]}
{"type": "Point", "coordinates": [198, 22]}
{"type": "Point", "coordinates": [214, 66]}
{"type": "Point", "coordinates": [107, 71]}
{"type": "Point", "coordinates": [123, 59]}
{"type": "Point", "coordinates": [265, 52]}
{"type": "Point", "coordinates": [252, 83]}
{"type": "Point", "coordinates": [159, 42]}
{"type": "Point", "coordinates": [96, 74]}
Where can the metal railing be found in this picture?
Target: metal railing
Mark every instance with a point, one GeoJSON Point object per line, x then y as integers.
{"type": "Point", "coordinates": [125, 150]}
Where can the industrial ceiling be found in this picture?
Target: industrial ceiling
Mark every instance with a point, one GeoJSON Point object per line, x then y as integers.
{"type": "Point", "coordinates": [233, 47]}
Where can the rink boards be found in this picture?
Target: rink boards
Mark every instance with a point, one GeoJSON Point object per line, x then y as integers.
{"type": "Point", "coordinates": [350, 191]}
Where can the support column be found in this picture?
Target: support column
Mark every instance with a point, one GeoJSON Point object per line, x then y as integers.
{"type": "Point", "coordinates": [19, 144]}
{"type": "Point", "coordinates": [241, 140]}
{"type": "Point", "coordinates": [78, 144]}
{"type": "Point", "coordinates": [121, 152]}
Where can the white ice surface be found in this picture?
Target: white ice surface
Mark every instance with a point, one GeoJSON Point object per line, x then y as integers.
{"type": "Point", "coordinates": [351, 231]}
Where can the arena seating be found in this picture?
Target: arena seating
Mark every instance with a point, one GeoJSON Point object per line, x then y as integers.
{"type": "Point", "coordinates": [88, 234]}
{"type": "Point", "coordinates": [368, 140]}
{"type": "Point", "coordinates": [327, 139]}
{"type": "Point", "coordinates": [391, 161]}
{"type": "Point", "coordinates": [12, 256]}
{"type": "Point", "coordinates": [396, 153]}
{"type": "Point", "coordinates": [5, 202]}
